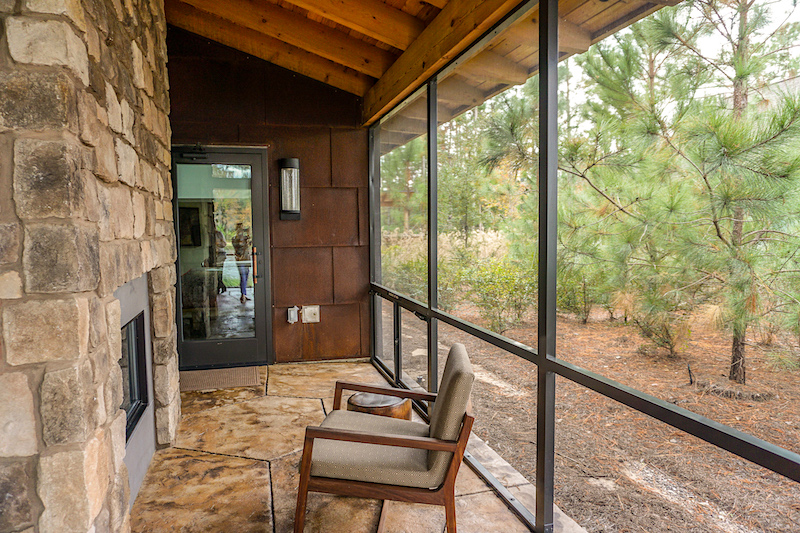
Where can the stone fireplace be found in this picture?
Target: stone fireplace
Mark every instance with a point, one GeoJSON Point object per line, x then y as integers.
{"type": "Point", "coordinates": [85, 208]}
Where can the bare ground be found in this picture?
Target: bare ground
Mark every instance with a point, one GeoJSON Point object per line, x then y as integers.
{"type": "Point", "coordinates": [619, 470]}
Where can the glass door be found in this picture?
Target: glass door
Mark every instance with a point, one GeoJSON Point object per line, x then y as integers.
{"type": "Point", "coordinates": [221, 227]}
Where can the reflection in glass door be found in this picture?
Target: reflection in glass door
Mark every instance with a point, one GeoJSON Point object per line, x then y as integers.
{"type": "Point", "coordinates": [221, 244]}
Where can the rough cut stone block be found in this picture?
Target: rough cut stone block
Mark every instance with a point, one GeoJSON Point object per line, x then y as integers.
{"type": "Point", "coordinates": [127, 121]}
{"type": "Point", "coordinates": [114, 321]}
{"type": "Point", "coordinates": [15, 506]}
{"type": "Point", "coordinates": [64, 407]}
{"type": "Point", "coordinates": [38, 331]}
{"type": "Point", "coordinates": [7, 6]}
{"type": "Point", "coordinates": [36, 100]}
{"type": "Point", "coordinates": [163, 313]}
{"type": "Point", "coordinates": [63, 491]}
{"type": "Point", "coordinates": [70, 8]}
{"type": "Point", "coordinates": [147, 256]}
{"type": "Point", "coordinates": [127, 162]}
{"type": "Point", "coordinates": [10, 286]}
{"type": "Point", "coordinates": [90, 125]}
{"type": "Point", "coordinates": [139, 215]}
{"type": "Point", "coordinates": [92, 208]}
{"type": "Point", "coordinates": [97, 464]}
{"type": "Point", "coordinates": [9, 243]}
{"type": "Point", "coordinates": [165, 382]}
{"type": "Point", "coordinates": [162, 278]}
{"type": "Point", "coordinates": [167, 418]}
{"type": "Point", "coordinates": [97, 324]}
{"type": "Point", "coordinates": [113, 390]}
{"type": "Point", "coordinates": [164, 349]}
{"type": "Point", "coordinates": [114, 109]}
{"type": "Point", "coordinates": [47, 42]}
{"type": "Point", "coordinates": [47, 181]}
{"type": "Point", "coordinates": [106, 166]}
{"type": "Point", "coordinates": [117, 431]}
{"type": "Point", "coordinates": [63, 258]}
{"type": "Point", "coordinates": [118, 500]}
{"type": "Point", "coordinates": [17, 419]}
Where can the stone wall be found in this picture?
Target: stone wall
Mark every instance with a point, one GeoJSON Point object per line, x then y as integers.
{"type": "Point", "coordinates": [85, 206]}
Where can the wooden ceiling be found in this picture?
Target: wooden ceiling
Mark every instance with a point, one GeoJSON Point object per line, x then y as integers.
{"type": "Point", "coordinates": [382, 50]}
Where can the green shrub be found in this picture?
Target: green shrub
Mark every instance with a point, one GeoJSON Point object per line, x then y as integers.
{"type": "Point", "coordinates": [502, 290]}
{"type": "Point", "coordinates": [580, 287]}
{"type": "Point", "coordinates": [661, 316]}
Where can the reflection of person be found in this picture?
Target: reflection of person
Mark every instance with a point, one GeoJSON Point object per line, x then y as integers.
{"type": "Point", "coordinates": [241, 249]}
{"type": "Point", "coordinates": [219, 259]}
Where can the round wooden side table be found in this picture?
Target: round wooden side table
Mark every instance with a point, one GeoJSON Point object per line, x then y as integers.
{"type": "Point", "coordinates": [379, 404]}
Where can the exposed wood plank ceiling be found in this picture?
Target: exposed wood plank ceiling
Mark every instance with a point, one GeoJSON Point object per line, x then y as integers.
{"type": "Point", "coordinates": [383, 50]}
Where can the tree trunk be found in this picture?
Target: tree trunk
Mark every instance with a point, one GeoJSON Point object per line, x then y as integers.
{"type": "Point", "coordinates": [737, 372]}
{"type": "Point", "coordinates": [742, 51]}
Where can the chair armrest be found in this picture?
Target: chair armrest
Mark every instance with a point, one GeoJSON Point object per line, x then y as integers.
{"type": "Point", "coordinates": [388, 391]}
{"type": "Point", "coordinates": [347, 435]}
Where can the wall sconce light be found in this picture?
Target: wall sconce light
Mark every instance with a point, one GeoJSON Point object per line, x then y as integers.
{"type": "Point", "coordinates": [290, 188]}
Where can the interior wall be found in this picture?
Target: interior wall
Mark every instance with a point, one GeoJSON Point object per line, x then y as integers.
{"type": "Point", "coordinates": [220, 96]}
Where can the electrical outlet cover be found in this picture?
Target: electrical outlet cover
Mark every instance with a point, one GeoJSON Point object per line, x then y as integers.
{"type": "Point", "coordinates": [310, 314]}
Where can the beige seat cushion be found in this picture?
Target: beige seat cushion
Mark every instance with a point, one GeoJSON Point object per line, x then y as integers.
{"type": "Point", "coordinates": [391, 465]}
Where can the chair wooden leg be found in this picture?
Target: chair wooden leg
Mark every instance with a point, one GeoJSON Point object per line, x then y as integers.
{"type": "Point", "coordinates": [450, 512]}
{"type": "Point", "coordinates": [302, 489]}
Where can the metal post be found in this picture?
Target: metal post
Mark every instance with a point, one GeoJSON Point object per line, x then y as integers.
{"type": "Point", "coordinates": [376, 344]}
{"type": "Point", "coordinates": [398, 345]}
{"type": "Point", "coordinates": [433, 236]}
{"type": "Point", "coordinates": [548, 218]}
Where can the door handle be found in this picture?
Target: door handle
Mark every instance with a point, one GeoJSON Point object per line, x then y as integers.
{"type": "Point", "coordinates": [253, 259]}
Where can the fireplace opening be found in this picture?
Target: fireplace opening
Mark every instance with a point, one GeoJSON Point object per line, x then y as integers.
{"type": "Point", "coordinates": [134, 372]}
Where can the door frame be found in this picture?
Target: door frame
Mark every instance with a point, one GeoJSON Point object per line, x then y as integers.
{"type": "Point", "coordinates": [229, 350]}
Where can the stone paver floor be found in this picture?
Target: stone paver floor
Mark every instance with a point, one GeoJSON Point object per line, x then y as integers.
{"type": "Point", "coordinates": [234, 467]}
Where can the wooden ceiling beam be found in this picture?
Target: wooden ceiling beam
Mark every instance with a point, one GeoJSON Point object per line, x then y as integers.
{"type": "Point", "coordinates": [373, 18]}
{"type": "Point", "coordinates": [489, 66]}
{"type": "Point", "coordinates": [403, 124]}
{"type": "Point", "coordinates": [456, 90]}
{"type": "Point", "coordinates": [301, 32]}
{"type": "Point", "coordinates": [264, 47]}
{"type": "Point", "coordinates": [572, 38]}
{"type": "Point", "coordinates": [453, 29]}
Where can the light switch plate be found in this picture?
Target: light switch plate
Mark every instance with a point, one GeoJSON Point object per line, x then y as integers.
{"type": "Point", "coordinates": [310, 314]}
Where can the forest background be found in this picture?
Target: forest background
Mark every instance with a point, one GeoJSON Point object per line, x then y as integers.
{"type": "Point", "coordinates": [679, 181]}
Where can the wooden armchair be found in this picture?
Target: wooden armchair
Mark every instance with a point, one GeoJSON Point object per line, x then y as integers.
{"type": "Point", "coordinates": [367, 456]}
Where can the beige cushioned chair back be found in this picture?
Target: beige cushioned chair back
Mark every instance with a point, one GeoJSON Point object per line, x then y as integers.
{"type": "Point", "coordinates": [451, 402]}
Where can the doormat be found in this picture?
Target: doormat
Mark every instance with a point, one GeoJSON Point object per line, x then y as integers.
{"type": "Point", "coordinates": [221, 378]}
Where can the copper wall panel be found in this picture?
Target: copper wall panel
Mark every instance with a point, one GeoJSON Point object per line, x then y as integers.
{"type": "Point", "coordinates": [312, 146]}
{"type": "Point", "coordinates": [254, 91]}
{"type": "Point", "coordinates": [302, 276]}
{"type": "Point", "coordinates": [288, 337]}
{"type": "Point", "coordinates": [221, 87]}
{"type": "Point", "coordinates": [328, 217]}
{"type": "Point", "coordinates": [210, 132]}
{"type": "Point", "coordinates": [349, 158]}
{"type": "Point", "coordinates": [337, 335]}
{"type": "Point", "coordinates": [366, 325]}
{"type": "Point", "coordinates": [350, 274]}
{"type": "Point", "coordinates": [224, 97]}
{"type": "Point", "coordinates": [363, 217]}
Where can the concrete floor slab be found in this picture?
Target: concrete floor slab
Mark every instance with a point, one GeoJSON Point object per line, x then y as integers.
{"type": "Point", "coordinates": [262, 428]}
{"type": "Point", "coordinates": [192, 492]}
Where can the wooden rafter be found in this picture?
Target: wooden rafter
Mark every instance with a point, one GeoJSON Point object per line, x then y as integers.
{"type": "Point", "coordinates": [267, 48]}
{"type": "Point", "coordinates": [456, 26]}
{"type": "Point", "coordinates": [301, 32]}
{"type": "Point", "coordinates": [489, 66]}
{"type": "Point", "coordinates": [373, 18]}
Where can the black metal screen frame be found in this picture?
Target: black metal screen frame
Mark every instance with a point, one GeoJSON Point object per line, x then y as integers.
{"type": "Point", "coordinates": [746, 446]}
